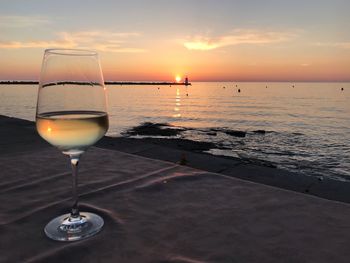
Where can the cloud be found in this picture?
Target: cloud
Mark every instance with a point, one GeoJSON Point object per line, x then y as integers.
{"type": "Point", "coordinates": [344, 45]}
{"type": "Point", "coordinates": [34, 44]}
{"type": "Point", "coordinates": [98, 40]}
{"type": "Point", "coordinates": [238, 37]}
{"type": "Point", "coordinates": [22, 21]}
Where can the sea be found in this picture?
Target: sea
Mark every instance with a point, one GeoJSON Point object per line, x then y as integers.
{"type": "Point", "coordinates": [300, 127]}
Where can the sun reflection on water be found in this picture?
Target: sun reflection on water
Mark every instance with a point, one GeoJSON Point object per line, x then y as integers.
{"type": "Point", "coordinates": [177, 104]}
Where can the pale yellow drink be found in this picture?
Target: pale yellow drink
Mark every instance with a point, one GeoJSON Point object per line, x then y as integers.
{"type": "Point", "coordinates": [72, 131]}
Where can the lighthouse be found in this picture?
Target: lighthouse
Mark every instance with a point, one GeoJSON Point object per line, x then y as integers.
{"type": "Point", "coordinates": [186, 81]}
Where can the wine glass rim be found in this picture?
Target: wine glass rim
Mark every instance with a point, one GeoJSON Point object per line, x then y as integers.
{"type": "Point", "coordinates": [70, 52]}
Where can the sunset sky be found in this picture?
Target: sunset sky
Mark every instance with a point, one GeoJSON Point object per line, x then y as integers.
{"type": "Point", "coordinates": [223, 40]}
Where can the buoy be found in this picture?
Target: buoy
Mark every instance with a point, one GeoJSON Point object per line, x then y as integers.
{"type": "Point", "coordinates": [239, 90]}
{"type": "Point", "coordinates": [342, 88]}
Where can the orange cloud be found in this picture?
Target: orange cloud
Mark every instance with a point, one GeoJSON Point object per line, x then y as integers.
{"type": "Point", "coordinates": [35, 44]}
{"type": "Point", "coordinates": [112, 41]}
{"type": "Point", "coordinates": [239, 36]}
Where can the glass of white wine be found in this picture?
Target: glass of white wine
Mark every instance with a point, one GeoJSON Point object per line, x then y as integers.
{"type": "Point", "coordinates": [71, 115]}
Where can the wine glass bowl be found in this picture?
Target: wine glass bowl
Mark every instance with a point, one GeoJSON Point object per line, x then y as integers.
{"type": "Point", "coordinates": [72, 131]}
{"type": "Point", "coordinates": [72, 115]}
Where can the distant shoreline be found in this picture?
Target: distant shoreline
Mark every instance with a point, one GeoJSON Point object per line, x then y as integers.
{"type": "Point", "coordinates": [266, 82]}
{"type": "Point", "coordinates": [29, 82]}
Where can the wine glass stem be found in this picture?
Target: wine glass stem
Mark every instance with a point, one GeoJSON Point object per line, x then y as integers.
{"type": "Point", "coordinates": [74, 159]}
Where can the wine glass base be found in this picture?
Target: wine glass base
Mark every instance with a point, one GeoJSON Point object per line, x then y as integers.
{"type": "Point", "coordinates": [67, 228]}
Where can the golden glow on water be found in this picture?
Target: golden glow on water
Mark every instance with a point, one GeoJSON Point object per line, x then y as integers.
{"type": "Point", "coordinates": [177, 104]}
{"type": "Point", "coordinates": [72, 130]}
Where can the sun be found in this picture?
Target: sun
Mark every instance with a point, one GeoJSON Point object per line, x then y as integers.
{"type": "Point", "coordinates": [178, 78]}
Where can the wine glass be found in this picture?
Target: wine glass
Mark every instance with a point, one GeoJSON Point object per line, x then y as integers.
{"type": "Point", "coordinates": [71, 115]}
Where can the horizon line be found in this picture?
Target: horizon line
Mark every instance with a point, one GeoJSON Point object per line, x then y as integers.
{"type": "Point", "coordinates": [272, 81]}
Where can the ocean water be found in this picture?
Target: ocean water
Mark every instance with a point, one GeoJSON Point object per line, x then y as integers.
{"type": "Point", "coordinates": [307, 125]}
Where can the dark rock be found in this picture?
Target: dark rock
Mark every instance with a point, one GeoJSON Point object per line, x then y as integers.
{"type": "Point", "coordinates": [260, 131]}
{"type": "Point", "coordinates": [154, 129]}
{"type": "Point", "coordinates": [190, 145]}
{"type": "Point", "coordinates": [212, 133]}
{"type": "Point", "coordinates": [236, 133]}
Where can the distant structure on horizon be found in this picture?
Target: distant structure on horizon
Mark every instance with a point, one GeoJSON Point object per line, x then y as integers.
{"type": "Point", "coordinates": [186, 81]}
